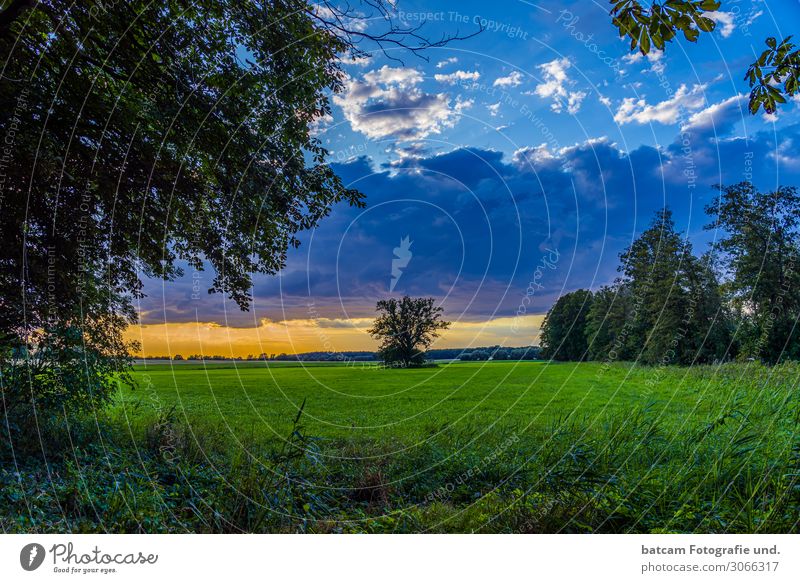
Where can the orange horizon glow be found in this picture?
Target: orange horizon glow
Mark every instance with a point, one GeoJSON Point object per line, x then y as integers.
{"type": "Point", "coordinates": [317, 335]}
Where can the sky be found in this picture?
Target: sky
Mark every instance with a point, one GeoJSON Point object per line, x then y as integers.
{"type": "Point", "coordinates": [500, 172]}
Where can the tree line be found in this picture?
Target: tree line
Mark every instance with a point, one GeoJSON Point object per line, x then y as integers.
{"type": "Point", "coordinates": [739, 300]}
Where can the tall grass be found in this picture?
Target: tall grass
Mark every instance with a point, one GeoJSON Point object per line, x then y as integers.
{"type": "Point", "coordinates": [733, 468]}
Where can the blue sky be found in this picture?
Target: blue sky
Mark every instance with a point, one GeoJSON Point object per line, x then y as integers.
{"type": "Point", "coordinates": [519, 163]}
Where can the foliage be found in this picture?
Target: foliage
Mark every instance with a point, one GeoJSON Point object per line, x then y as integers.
{"type": "Point", "coordinates": [609, 324]}
{"type": "Point", "coordinates": [563, 335]}
{"type": "Point", "coordinates": [69, 371]}
{"type": "Point", "coordinates": [406, 328]}
{"type": "Point", "coordinates": [778, 64]}
{"type": "Point", "coordinates": [659, 23]}
{"type": "Point", "coordinates": [652, 27]}
{"type": "Point", "coordinates": [666, 308]}
{"type": "Point", "coordinates": [143, 137]}
{"type": "Point", "coordinates": [760, 251]}
{"type": "Point", "coordinates": [680, 318]}
{"type": "Point", "coordinates": [490, 352]}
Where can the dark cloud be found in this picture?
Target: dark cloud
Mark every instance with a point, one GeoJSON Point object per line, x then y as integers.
{"type": "Point", "coordinates": [482, 223]}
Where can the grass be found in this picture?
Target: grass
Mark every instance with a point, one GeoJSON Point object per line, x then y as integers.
{"type": "Point", "coordinates": [387, 404]}
{"type": "Point", "coordinates": [472, 447]}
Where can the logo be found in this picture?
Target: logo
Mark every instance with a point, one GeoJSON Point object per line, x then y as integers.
{"type": "Point", "coordinates": [31, 556]}
{"type": "Point", "coordinates": [402, 257]}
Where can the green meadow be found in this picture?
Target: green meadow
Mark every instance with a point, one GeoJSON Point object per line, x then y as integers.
{"type": "Point", "coordinates": [364, 402]}
{"type": "Point", "coordinates": [464, 447]}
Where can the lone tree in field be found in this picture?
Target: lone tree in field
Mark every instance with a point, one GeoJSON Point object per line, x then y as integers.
{"type": "Point", "coordinates": [406, 328]}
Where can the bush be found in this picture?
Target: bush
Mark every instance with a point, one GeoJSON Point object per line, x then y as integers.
{"type": "Point", "coordinates": [64, 372]}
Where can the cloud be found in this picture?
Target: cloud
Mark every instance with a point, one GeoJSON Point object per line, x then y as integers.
{"type": "Point", "coordinates": [351, 20]}
{"type": "Point", "coordinates": [654, 57]}
{"type": "Point", "coordinates": [556, 85]}
{"type": "Point", "coordinates": [321, 334]}
{"type": "Point", "coordinates": [457, 77]}
{"type": "Point", "coordinates": [725, 20]}
{"type": "Point", "coordinates": [719, 118]}
{"type": "Point", "coordinates": [633, 57]}
{"type": "Point", "coordinates": [513, 79]}
{"type": "Point", "coordinates": [358, 61]}
{"type": "Point", "coordinates": [493, 109]}
{"type": "Point", "coordinates": [387, 102]}
{"type": "Point", "coordinates": [665, 112]}
{"type": "Point", "coordinates": [753, 16]}
{"type": "Point", "coordinates": [446, 62]}
{"type": "Point", "coordinates": [480, 220]}
{"type": "Point", "coordinates": [657, 63]}
{"type": "Point", "coordinates": [529, 156]}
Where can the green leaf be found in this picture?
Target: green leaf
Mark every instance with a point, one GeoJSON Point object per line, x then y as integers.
{"type": "Point", "coordinates": [705, 24]}
{"type": "Point", "coordinates": [644, 43]}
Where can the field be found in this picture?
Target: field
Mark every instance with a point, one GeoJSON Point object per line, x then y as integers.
{"type": "Point", "coordinates": [462, 447]}
{"type": "Point", "coordinates": [354, 403]}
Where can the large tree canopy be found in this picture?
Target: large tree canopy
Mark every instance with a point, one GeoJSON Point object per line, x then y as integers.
{"type": "Point", "coordinates": [142, 134]}
{"type": "Point", "coordinates": [156, 132]}
{"type": "Point", "coordinates": [140, 137]}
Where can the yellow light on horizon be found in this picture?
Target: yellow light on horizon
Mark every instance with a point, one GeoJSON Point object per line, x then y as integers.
{"type": "Point", "coordinates": [318, 335]}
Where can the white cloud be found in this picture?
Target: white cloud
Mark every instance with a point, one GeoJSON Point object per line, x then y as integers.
{"type": "Point", "coordinates": [320, 124]}
{"type": "Point", "coordinates": [446, 62]}
{"type": "Point", "coordinates": [605, 100]}
{"type": "Point", "coordinates": [457, 77]}
{"type": "Point", "coordinates": [725, 20]}
{"type": "Point", "coordinates": [770, 117]}
{"type": "Point", "coordinates": [513, 79]}
{"type": "Point", "coordinates": [494, 109]}
{"type": "Point", "coordinates": [657, 64]}
{"type": "Point", "coordinates": [359, 61]}
{"type": "Point", "coordinates": [754, 14]}
{"type": "Point", "coordinates": [573, 102]}
{"type": "Point", "coordinates": [633, 57]}
{"type": "Point", "coordinates": [665, 112]}
{"type": "Point", "coordinates": [402, 76]}
{"type": "Point", "coordinates": [555, 86]}
{"type": "Point", "coordinates": [388, 102]}
{"type": "Point", "coordinates": [355, 21]}
{"type": "Point", "coordinates": [462, 104]}
{"type": "Point", "coordinates": [532, 155]}
{"type": "Point", "coordinates": [654, 57]}
{"type": "Point", "coordinates": [717, 118]}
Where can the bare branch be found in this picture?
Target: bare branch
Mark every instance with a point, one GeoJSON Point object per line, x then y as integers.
{"type": "Point", "coordinates": [349, 24]}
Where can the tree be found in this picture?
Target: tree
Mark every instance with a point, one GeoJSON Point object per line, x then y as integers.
{"type": "Point", "coordinates": [608, 324]}
{"type": "Point", "coordinates": [654, 267]}
{"type": "Point", "coordinates": [563, 335]}
{"type": "Point", "coordinates": [654, 26]}
{"type": "Point", "coordinates": [760, 252]}
{"type": "Point", "coordinates": [146, 137]}
{"type": "Point", "coordinates": [708, 326]}
{"type": "Point", "coordinates": [676, 313]}
{"type": "Point", "coordinates": [406, 328]}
